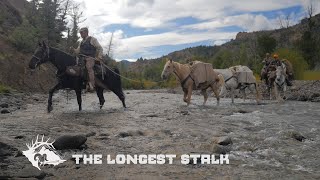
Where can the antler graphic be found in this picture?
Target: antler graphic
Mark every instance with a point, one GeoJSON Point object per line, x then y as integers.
{"type": "Point", "coordinates": [38, 143]}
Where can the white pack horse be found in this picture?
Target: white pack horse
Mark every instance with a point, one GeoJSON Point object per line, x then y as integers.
{"type": "Point", "coordinates": [280, 84]}
{"type": "Point", "coordinates": [231, 84]}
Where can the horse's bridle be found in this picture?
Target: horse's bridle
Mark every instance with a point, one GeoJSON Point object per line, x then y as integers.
{"type": "Point", "coordinates": [280, 85]}
{"type": "Point", "coordinates": [185, 80]}
{"type": "Point", "coordinates": [40, 59]}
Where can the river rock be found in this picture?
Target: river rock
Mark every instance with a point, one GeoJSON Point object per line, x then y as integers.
{"type": "Point", "coordinates": [184, 112]}
{"type": "Point", "coordinates": [297, 136]}
{"type": "Point", "coordinates": [91, 134]}
{"type": "Point", "coordinates": [6, 150]}
{"type": "Point", "coordinates": [131, 133]}
{"type": "Point", "coordinates": [219, 149]}
{"type": "Point", "coordinates": [4, 105]}
{"type": "Point", "coordinates": [210, 148]}
{"type": "Point", "coordinates": [225, 140]}
{"type": "Point", "coordinates": [5, 111]}
{"type": "Point", "coordinates": [31, 172]}
{"type": "Point", "coordinates": [69, 142]}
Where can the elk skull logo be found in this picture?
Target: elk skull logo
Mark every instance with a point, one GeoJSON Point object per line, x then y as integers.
{"type": "Point", "coordinates": [42, 152]}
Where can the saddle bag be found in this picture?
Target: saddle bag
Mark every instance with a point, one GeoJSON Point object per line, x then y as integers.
{"type": "Point", "coordinates": [75, 71]}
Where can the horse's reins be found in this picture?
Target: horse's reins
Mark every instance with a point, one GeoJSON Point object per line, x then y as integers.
{"type": "Point", "coordinates": [39, 59]}
{"type": "Point", "coordinates": [280, 85]}
{"type": "Point", "coordinates": [116, 72]}
{"type": "Point", "coordinates": [38, 62]}
{"type": "Point", "coordinates": [101, 63]}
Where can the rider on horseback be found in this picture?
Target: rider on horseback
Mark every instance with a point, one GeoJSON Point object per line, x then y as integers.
{"type": "Point", "coordinates": [271, 64]}
{"type": "Point", "coordinates": [89, 48]}
{"type": "Point", "coordinates": [285, 63]}
{"type": "Point", "coordinates": [264, 71]}
{"type": "Point", "coordinates": [276, 61]}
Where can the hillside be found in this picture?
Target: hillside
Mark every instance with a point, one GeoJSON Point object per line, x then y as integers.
{"type": "Point", "coordinates": [14, 63]}
{"type": "Point", "coordinates": [285, 38]}
{"type": "Point", "coordinates": [295, 43]}
{"type": "Point", "coordinates": [248, 48]}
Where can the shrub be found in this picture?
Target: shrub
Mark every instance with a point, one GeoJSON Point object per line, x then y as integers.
{"type": "Point", "coordinates": [24, 37]}
{"type": "Point", "coordinates": [298, 62]}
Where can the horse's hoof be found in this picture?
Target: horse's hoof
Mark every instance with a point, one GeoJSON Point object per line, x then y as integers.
{"type": "Point", "coordinates": [49, 109]}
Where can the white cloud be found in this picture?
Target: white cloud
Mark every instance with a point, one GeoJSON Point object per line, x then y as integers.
{"type": "Point", "coordinates": [153, 14]}
{"type": "Point", "coordinates": [247, 22]}
{"type": "Point", "coordinates": [129, 46]}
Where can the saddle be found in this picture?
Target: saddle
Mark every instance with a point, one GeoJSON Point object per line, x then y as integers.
{"type": "Point", "coordinates": [243, 74]}
{"type": "Point", "coordinates": [202, 74]}
{"type": "Point", "coordinates": [80, 70]}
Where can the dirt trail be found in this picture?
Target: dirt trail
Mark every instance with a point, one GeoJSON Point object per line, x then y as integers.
{"type": "Point", "coordinates": [264, 137]}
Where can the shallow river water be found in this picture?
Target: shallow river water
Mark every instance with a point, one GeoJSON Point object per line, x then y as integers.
{"type": "Point", "coordinates": [269, 141]}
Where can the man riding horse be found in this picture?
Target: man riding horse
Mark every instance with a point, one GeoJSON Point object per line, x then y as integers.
{"type": "Point", "coordinates": [264, 71]}
{"type": "Point", "coordinates": [271, 64]}
{"type": "Point", "coordinates": [89, 49]}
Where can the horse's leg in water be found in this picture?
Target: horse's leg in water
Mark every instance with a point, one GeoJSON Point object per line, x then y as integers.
{"type": "Point", "coordinates": [79, 99]}
{"type": "Point", "coordinates": [190, 88]}
{"type": "Point", "coordinates": [270, 90]}
{"type": "Point", "coordinates": [258, 94]}
{"type": "Point", "coordinates": [284, 91]}
{"type": "Point", "coordinates": [205, 96]}
{"type": "Point", "coordinates": [277, 92]}
{"type": "Point", "coordinates": [120, 95]}
{"type": "Point", "coordinates": [185, 93]}
{"type": "Point", "coordinates": [56, 87]}
{"type": "Point", "coordinates": [243, 92]}
{"type": "Point", "coordinates": [216, 93]}
{"type": "Point", "coordinates": [232, 95]}
{"type": "Point", "coordinates": [254, 89]}
{"type": "Point", "coordinates": [99, 92]}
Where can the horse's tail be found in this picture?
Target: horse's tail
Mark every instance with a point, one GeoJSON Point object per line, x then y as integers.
{"type": "Point", "coordinates": [116, 80]}
{"type": "Point", "coordinates": [221, 84]}
{"type": "Point", "coordinates": [118, 76]}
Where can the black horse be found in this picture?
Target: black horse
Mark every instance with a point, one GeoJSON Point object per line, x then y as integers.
{"type": "Point", "coordinates": [61, 61]}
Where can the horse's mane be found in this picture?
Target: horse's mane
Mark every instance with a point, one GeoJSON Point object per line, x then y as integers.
{"type": "Point", "coordinates": [63, 57]}
{"type": "Point", "coordinates": [65, 53]}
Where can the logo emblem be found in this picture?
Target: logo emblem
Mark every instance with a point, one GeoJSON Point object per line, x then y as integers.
{"type": "Point", "coordinates": [42, 152]}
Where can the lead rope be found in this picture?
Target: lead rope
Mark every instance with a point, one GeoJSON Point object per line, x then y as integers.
{"type": "Point", "coordinates": [102, 69]}
{"type": "Point", "coordinates": [129, 79]}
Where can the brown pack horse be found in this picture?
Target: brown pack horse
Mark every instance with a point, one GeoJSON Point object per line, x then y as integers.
{"type": "Point", "coordinates": [182, 72]}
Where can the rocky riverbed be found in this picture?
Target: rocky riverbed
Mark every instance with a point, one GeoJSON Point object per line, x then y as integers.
{"type": "Point", "coordinates": [266, 141]}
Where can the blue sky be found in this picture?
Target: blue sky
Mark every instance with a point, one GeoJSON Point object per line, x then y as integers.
{"type": "Point", "coordinates": [153, 28]}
